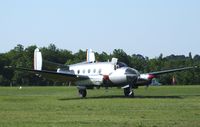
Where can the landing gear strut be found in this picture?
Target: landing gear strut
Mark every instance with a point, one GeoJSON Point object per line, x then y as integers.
{"type": "Point", "coordinates": [128, 92]}
{"type": "Point", "coordinates": [82, 93]}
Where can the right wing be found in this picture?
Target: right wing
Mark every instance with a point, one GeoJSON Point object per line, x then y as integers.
{"type": "Point", "coordinates": [53, 75]}
{"type": "Point", "coordinates": [63, 76]}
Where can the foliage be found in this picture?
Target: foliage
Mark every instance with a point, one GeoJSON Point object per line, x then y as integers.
{"type": "Point", "coordinates": [23, 57]}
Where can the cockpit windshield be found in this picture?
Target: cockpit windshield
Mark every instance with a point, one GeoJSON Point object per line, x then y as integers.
{"type": "Point", "coordinates": [121, 64]}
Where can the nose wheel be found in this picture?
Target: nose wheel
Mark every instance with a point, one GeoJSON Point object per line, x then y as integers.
{"type": "Point", "coordinates": [128, 92]}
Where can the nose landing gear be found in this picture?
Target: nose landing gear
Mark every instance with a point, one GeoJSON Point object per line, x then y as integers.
{"type": "Point", "coordinates": [128, 92]}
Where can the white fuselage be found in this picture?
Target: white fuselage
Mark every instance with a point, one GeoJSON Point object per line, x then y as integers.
{"type": "Point", "coordinates": [97, 71]}
{"type": "Point", "coordinates": [94, 71]}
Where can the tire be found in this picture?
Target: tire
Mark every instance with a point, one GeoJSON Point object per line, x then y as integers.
{"type": "Point", "coordinates": [82, 93]}
{"type": "Point", "coordinates": [128, 92]}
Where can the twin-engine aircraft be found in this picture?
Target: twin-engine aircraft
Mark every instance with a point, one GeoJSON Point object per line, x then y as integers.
{"type": "Point", "coordinates": [91, 74]}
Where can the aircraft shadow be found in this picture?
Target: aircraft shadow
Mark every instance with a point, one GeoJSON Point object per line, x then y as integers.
{"type": "Point", "coordinates": [118, 96]}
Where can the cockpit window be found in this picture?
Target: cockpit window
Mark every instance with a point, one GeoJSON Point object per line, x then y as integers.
{"type": "Point", "coordinates": [121, 64]}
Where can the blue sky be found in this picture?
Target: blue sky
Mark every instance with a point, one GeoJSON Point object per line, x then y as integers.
{"type": "Point", "coordinates": [147, 27]}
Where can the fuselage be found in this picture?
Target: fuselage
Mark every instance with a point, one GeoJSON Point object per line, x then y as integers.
{"type": "Point", "coordinates": [92, 69]}
{"type": "Point", "coordinates": [95, 72]}
{"type": "Point", "coordinates": [104, 73]}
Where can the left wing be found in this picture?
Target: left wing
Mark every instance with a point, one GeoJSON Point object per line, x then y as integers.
{"type": "Point", "coordinates": [151, 75]}
{"type": "Point", "coordinates": [170, 70]}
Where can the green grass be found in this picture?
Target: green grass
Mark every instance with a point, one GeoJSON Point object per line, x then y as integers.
{"type": "Point", "coordinates": [163, 106]}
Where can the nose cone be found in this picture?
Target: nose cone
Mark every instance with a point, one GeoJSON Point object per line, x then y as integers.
{"type": "Point", "coordinates": [131, 71]}
{"type": "Point", "coordinates": [131, 75]}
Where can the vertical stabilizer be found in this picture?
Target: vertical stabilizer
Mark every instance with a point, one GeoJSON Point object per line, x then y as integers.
{"type": "Point", "coordinates": [37, 59]}
{"type": "Point", "coordinates": [90, 56]}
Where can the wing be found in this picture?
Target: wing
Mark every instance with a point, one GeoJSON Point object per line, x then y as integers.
{"type": "Point", "coordinates": [53, 75]}
{"type": "Point", "coordinates": [63, 76]}
{"type": "Point", "coordinates": [171, 70]}
{"type": "Point", "coordinates": [53, 66]}
{"type": "Point", "coordinates": [145, 79]}
{"type": "Point", "coordinates": [151, 75]}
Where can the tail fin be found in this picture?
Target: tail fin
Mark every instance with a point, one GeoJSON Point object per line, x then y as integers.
{"type": "Point", "coordinates": [37, 59]}
{"type": "Point", "coordinates": [90, 56]}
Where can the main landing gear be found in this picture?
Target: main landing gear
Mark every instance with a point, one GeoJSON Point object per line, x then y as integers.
{"type": "Point", "coordinates": [82, 93]}
{"type": "Point", "coordinates": [128, 91]}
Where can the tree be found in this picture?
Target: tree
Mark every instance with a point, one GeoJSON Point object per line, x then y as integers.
{"type": "Point", "coordinates": [121, 55]}
{"type": "Point", "coordinates": [23, 57]}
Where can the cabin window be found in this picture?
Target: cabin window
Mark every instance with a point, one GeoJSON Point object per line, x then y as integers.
{"type": "Point", "coordinates": [88, 70]}
{"type": "Point", "coordinates": [78, 71]}
{"type": "Point", "coordinates": [99, 71]}
{"type": "Point", "coordinates": [94, 71]}
{"type": "Point", "coordinates": [83, 71]}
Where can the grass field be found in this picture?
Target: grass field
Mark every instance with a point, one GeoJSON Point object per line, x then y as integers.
{"type": "Point", "coordinates": [163, 106]}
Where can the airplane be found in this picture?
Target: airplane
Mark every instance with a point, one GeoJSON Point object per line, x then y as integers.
{"type": "Point", "coordinates": [90, 74]}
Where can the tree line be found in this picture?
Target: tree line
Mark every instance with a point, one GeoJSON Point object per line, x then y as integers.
{"type": "Point", "coordinates": [20, 56]}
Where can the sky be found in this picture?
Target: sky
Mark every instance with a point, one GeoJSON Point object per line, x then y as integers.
{"type": "Point", "coordinates": [146, 27]}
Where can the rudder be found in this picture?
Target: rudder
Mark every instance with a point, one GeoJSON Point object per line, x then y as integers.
{"type": "Point", "coordinates": [37, 59]}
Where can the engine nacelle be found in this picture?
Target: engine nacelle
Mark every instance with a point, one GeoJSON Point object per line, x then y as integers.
{"type": "Point", "coordinates": [147, 76]}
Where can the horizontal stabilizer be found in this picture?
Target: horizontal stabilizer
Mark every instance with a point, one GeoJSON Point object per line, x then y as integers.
{"type": "Point", "coordinates": [53, 66]}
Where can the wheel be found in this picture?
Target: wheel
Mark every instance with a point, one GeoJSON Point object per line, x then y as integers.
{"type": "Point", "coordinates": [82, 93]}
{"type": "Point", "coordinates": [128, 92]}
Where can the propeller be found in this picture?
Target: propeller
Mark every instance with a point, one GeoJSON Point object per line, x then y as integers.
{"type": "Point", "coordinates": [150, 77]}
{"type": "Point", "coordinates": [106, 79]}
